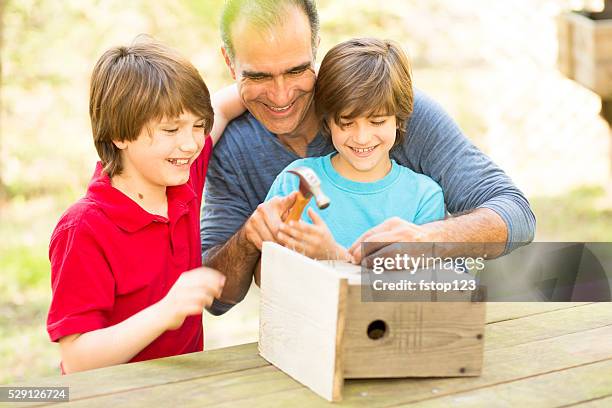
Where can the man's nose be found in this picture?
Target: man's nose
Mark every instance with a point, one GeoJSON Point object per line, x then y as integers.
{"type": "Point", "coordinates": [280, 93]}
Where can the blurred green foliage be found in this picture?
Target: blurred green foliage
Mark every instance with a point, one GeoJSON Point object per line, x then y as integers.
{"type": "Point", "coordinates": [583, 214]}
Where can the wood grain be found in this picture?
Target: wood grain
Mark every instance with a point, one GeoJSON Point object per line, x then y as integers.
{"type": "Point", "coordinates": [299, 314]}
{"type": "Point", "coordinates": [422, 339]}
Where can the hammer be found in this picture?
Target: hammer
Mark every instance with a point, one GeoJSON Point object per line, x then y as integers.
{"type": "Point", "coordinates": [310, 186]}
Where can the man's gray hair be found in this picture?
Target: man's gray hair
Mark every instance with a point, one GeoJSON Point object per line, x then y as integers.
{"type": "Point", "coordinates": [265, 14]}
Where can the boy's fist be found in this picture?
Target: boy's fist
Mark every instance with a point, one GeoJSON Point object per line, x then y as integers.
{"type": "Point", "coordinates": [190, 294]}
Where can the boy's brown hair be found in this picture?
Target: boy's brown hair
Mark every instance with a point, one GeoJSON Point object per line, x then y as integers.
{"type": "Point", "coordinates": [133, 85]}
{"type": "Point", "coordinates": [364, 77]}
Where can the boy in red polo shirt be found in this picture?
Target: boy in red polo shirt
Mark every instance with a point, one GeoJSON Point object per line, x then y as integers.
{"type": "Point", "coordinates": [126, 271]}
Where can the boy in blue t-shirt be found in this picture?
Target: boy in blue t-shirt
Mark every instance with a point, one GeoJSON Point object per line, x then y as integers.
{"type": "Point", "coordinates": [363, 97]}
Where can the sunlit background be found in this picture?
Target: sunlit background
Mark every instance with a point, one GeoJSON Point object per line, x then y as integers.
{"type": "Point", "coordinates": [490, 63]}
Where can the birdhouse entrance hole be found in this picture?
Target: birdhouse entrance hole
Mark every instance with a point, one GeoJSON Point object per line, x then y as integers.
{"type": "Point", "coordinates": [377, 329]}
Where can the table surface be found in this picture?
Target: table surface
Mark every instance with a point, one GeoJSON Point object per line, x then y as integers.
{"type": "Point", "coordinates": [536, 354]}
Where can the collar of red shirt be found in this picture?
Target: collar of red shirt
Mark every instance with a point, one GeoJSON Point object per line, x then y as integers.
{"type": "Point", "coordinates": [128, 215]}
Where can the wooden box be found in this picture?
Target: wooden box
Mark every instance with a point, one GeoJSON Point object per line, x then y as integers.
{"type": "Point", "coordinates": [315, 327]}
{"type": "Point", "coordinates": [585, 51]}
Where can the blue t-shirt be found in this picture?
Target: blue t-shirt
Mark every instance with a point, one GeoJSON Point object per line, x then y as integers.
{"type": "Point", "coordinates": [355, 207]}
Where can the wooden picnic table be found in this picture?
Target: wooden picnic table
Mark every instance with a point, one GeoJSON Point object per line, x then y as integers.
{"type": "Point", "coordinates": [536, 355]}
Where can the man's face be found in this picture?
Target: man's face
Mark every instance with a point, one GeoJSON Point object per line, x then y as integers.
{"type": "Point", "coordinates": [274, 69]}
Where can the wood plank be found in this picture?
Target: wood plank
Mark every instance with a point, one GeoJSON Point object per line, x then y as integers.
{"type": "Point", "coordinates": [498, 311]}
{"type": "Point", "coordinates": [502, 365]}
{"type": "Point", "coordinates": [300, 332]}
{"type": "Point", "coordinates": [154, 372]}
{"type": "Point", "coordinates": [267, 386]}
{"type": "Point", "coordinates": [201, 392]}
{"type": "Point", "coordinates": [536, 327]}
{"type": "Point", "coordinates": [596, 403]}
{"type": "Point", "coordinates": [340, 333]}
{"type": "Point", "coordinates": [554, 389]}
{"type": "Point", "coordinates": [126, 377]}
{"type": "Point", "coordinates": [421, 339]}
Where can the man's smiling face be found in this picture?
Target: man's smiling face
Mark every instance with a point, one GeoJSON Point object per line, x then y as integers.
{"type": "Point", "coordinates": [274, 68]}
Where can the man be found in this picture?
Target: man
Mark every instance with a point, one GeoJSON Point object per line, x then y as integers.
{"type": "Point", "coordinates": [270, 48]}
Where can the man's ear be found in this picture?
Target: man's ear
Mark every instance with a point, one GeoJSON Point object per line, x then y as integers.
{"type": "Point", "coordinates": [120, 144]}
{"type": "Point", "coordinates": [228, 62]}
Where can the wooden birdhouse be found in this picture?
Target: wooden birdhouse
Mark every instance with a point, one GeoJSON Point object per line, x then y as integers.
{"type": "Point", "coordinates": [315, 327]}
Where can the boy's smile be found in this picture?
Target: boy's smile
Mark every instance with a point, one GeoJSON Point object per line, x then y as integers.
{"type": "Point", "coordinates": [363, 144]}
{"type": "Point", "coordinates": [179, 162]}
{"type": "Point", "coordinates": [363, 152]}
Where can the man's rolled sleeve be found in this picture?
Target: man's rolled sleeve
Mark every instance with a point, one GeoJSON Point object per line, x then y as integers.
{"type": "Point", "coordinates": [515, 211]}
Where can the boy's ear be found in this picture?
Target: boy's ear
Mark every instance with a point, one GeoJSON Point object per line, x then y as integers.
{"type": "Point", "coordinates": [228, 62]}
{"type": "Point", "coordinates": [120, 144]}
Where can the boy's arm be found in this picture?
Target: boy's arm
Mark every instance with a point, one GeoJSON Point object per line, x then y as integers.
{"type": "Point", "coordinates": [227, 106]}
{"type": "Point", "coordinates": [191, 293]}
{"type": "Point", "coordinates": [112, 345]}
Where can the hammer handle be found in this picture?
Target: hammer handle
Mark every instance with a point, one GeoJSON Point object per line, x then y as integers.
{"type": "Point", "coordinates": [296, 211]}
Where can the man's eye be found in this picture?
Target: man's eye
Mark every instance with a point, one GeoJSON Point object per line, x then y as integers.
{"type": "Point", "coordinates": [297, 72]}
{"type": "Point", "coordinates": [256, 78]}
{"type": "Point", "coordinates": [199, 125]}
{"type": "Point", "coordinates": [170, 130]}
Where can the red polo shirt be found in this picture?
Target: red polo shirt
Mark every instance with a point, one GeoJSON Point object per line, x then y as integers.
{"type": "Point", "coordinates": [111, 259]}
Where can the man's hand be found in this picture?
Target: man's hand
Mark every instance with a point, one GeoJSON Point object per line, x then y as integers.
{"type": "Point", "coordinates": [392, 230]}
{"type": "Point", "coordinates": [314, 240]}
{"type": "Point", "coordinates": [264, 223]}
{"type": "Point", "coordinates": [238, 257]}
{"type": "Point", "coordinates": [190, 294]}
{"type": "Point", "coordinates": [477, 233]}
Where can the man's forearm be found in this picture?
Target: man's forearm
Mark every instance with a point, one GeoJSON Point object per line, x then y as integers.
{"type": "Point", "coordinates": [483, 229]}
{"type": "Point", "coordinates": [236, 259]}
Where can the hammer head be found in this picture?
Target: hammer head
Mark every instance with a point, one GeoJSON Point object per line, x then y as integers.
{"type": "Point", "coordinates": [310, 185]}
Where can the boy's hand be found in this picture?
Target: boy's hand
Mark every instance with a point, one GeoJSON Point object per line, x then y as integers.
{"type": "Point", "coordinates": [315, 241]}
{"type": "Point", "coordinates": [190, 294]}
